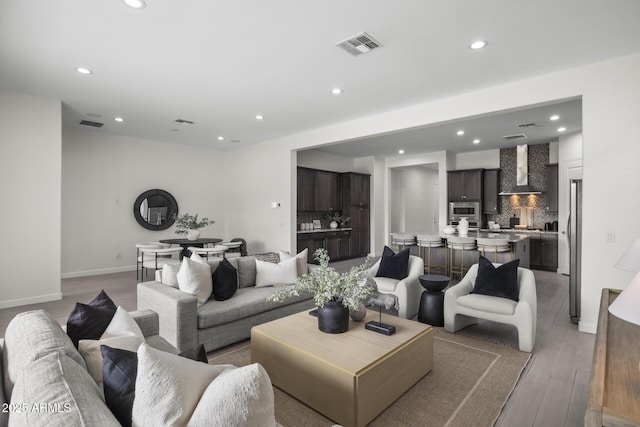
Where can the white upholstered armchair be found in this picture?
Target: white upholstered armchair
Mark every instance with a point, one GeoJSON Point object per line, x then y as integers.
{"type": "Point", "coordinates": [462, 309]}
{"type": "Point", "coordinates": [407, 291]}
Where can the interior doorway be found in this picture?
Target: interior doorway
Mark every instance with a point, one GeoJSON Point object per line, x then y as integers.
{"type": "Point", "coordinates": [414, 199]}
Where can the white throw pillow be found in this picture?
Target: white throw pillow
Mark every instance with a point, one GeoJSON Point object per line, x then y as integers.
{"type": "Point", "coordinates": [270, 274]}
{"type": "Point", "coordinates": [122, 332]}
{"type": "Point", "coordinates": [301, 260]}
{"type": "Point", "coordinates": [169, 387]}
{"type": "Point", "coordinates": [238, 397]}
{"type": "Point", "coordinates": [169, 273]}
{"type": "Point", "coordinates": [194, 278]}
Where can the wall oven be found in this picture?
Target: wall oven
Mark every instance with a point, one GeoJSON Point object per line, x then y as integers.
{"type": "Point", "coordinates": [469, 210]}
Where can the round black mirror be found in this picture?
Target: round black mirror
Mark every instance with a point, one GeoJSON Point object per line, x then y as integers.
{"type": "Point", "coordinates": [155, 209]}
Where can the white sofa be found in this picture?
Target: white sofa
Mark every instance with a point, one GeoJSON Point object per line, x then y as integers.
{"type": "Point", "coordinates": [407, 291]}
{"type": "Point", "coordinates": [462, 308]}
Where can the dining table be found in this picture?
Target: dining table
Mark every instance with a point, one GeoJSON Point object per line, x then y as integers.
{"type": "Point", "coordinates": [186, 243]}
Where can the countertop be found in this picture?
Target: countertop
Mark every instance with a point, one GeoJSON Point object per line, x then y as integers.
{"type": "Point", "coordinates": [513, 237]}
{"type": "Point", "coordinates": [519, 230]}
{"type": "Point", "coordinates": [324, 230]}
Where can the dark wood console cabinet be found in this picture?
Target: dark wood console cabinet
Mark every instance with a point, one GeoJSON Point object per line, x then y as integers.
{"type": "Point", "coordinates": [356, 204]}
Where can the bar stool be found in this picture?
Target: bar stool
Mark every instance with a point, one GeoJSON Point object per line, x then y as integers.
{"type": "Point", "coordinates": [425, 243]}
{"type": "Point", "coordinates": [493, 246]}
{"type": "Point", "coordinates": [233, 248]}
{"type": "Point", "coordinates": [462, 244]}
{"type": "Point", "coordinates": [402, 240]}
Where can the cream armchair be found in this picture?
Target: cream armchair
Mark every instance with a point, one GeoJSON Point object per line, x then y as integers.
{"type": "Point", "coordinates": [462, 308]}
{"type": "Point", "coordinates": [407, 291]}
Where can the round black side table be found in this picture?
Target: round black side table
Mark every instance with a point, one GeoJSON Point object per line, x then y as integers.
{"type": "Point", "coordinates": [432, 301]}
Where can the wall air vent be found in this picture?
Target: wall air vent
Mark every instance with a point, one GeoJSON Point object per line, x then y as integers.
{"type": "Point", "coordinates": [516, 136]}
{"type": "Point", "coordinates": [90, 123]}
{"type": "Point", "coordinates": [359, 44]}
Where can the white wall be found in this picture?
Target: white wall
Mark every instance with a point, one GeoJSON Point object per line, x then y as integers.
{"type": "Point", "coordinates": [487, 159]}
{"type": "Point", "coordinates": [610, 103]}
{"type": "Point", "coordinates": [326, 161]}
{"type": "Point", "coordinates": [30, 141]}
{"type": "Point", "coordinates": [103, 174]}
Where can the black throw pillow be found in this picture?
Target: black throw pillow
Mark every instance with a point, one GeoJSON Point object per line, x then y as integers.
{"type": "Point", "coordinates": [89, 321]}
{"type": "Point", "coordinates": [392, 265]}
{"type": "Point", "coordinates": [501, 281]}
{"type": "Point", "coordinates": [119, 372]}
{"type": "Point", "coordinates": [196, 353]}
{"type": "Point", "coordinates": [225, 280]}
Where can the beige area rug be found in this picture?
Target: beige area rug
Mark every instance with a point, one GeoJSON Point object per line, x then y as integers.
{"type": "Point", "coordinates": [470, 382]}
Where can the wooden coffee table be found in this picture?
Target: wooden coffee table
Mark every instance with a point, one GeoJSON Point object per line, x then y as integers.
{"type": "Point", "coordinates": [350, 377]}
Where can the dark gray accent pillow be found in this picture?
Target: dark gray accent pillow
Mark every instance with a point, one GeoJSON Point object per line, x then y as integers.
{"type": "Point", "coordinates": [119, 372]}
{"type": "Point", "coordinates": [392, 265]}
{"type": "Point", "coordinates": [225, 281]}
{"type": "Point", "coordinates": [89, 321]}
{"type": "Point", "coordinates": [501, 281]}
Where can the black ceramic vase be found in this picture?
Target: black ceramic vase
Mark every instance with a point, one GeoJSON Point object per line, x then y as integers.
{"type": "Point", "coordinates": [333, 318]}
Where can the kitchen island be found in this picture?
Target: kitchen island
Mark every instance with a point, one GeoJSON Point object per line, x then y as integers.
{"type": "Point", "coordinates": [519, 242]}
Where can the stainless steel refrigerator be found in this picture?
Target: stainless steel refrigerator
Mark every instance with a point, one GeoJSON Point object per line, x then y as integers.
{"type": "Point", "coordinates": [574, 230]}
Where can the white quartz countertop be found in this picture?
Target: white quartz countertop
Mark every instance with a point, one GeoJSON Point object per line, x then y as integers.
{"type": "Point", "coordinates": [511, 237]}
{"type": "Point", "coordinates": [516, 230]}
{"type": "Point", "coordinates": [324, 230]}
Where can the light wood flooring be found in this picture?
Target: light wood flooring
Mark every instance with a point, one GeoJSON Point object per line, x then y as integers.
{"type": "Point", "coordinates": [551, 392]}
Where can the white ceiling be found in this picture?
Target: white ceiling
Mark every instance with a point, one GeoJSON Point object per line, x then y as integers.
{"type": "Point", "coordinates": [219, 63]}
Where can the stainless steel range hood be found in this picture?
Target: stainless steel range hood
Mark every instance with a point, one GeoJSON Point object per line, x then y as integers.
{"type": "Point", "coordinates": [522, 171]}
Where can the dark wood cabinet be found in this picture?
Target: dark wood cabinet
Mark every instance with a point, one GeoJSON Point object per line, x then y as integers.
{"type": "Point", "coordinates": [356, 204]}
{"type": "Point", "coordinates": [311, 241]}
{"type": "Point", "coordinates": [465, 185]}
{"type": "Point", "coordinates": [543, 251]}
{"type": "Point", "coordinates": [307, 179]}
{"type": "Point", "coordinates": [490, 197]}
{"type": "Point", "coordinates": [319, 191]}
{"type": "Point", "coordinates": [338, 244]}
{"type": "Point", "coordinates": [552, 188]}
{"type": "Point", "coordinates": [328, 191]}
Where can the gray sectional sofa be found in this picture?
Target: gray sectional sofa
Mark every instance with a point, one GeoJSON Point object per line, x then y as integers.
{"type": "Point", "coordinates": [216, 323]}
{"type": "Point", "coordinates": [44, 379]}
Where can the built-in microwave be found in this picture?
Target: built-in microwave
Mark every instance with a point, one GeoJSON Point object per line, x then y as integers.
{"type": "Point", "coordinates": [469, 210]}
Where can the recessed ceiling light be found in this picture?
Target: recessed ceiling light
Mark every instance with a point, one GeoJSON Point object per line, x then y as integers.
{"type": "Point", "coordinates": [221, 138]}
{"type": "Point", "coordinates": [460, 132]}
{"type": "Point", "coordinates": [119, 119]}
{"type": "Point", "coordinates": [554, 117]}
{"type": "Point", "coordinates": [336, 91]}
{"type": "Point", "coordinates": [562, 129]}
{"type": "Point", "coordinates": [479, 44]}
{"type": "Point", "coordinates": [400, 151]}
{"type": "Point", "coordinates": [259, 117]}
{"type": "Point", "coordinates": [135, 4]}
{"type": "Point", "coordinates": [476, 141]}
{"type": "Point", "coordinates": [83, 70]}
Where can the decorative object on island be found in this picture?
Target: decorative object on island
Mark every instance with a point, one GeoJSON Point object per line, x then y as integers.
{"type": "Point", "coordinates": [190, 225]}
{"type": "Point", "coordinates": [463, 226]}
{"type": "Point", "coordinates": [625, 306]}
{"type": "Point", "coordinates": [331, 291]}
{"type": "Point", "coordinates": [337, 219]}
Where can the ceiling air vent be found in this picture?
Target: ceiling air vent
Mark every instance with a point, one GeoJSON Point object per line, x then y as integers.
{"type": "Point", "coordinates": [516, 136]}
{"type": "Point", "coordinates": [183, 122]}
{"type": "Point", "coordinates": [528, 125]}
{"type": "Point", "coordinates": [90, 123]}
{"type": "Point", "coordinates": [359, 44]}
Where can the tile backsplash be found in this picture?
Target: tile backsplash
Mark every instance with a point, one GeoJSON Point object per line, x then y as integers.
{"type": "Point", "coordinates": [510, 205]}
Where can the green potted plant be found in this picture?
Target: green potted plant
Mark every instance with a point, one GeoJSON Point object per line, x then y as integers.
{"type": "Point", "coordinates": [334, 293]}
{"type": "Point", "coordinates": [190, 225]}
{"type": "Point", "coordinates": [337, 219]}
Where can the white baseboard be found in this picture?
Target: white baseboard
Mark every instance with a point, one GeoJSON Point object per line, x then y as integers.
{"type": "Point", "coordinates": [98, 272]}
{"type": "Point", "coordinates": [31, 300]}
{"type": "Point", "coordinates": [589, 328]}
